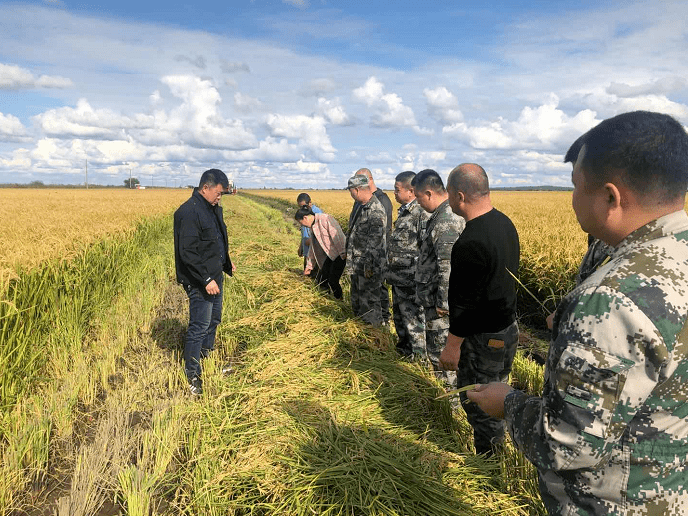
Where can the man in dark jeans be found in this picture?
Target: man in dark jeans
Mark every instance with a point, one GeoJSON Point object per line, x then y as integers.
{"type": "Point", "coordinates": [483, 333]}
{"type": "Point", "coordinates": [201, 255]}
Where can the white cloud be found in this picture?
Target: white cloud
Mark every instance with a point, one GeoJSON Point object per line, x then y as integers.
{"type": "Point", "coordinates": [11, 129]}
{"type": "Point", "coordinates": [543, 127]}
{"type": "Point", "coordinates": [310, 131]}
{"type": "Point", "coordinates": [443, 105]}
{"type": "Point", "coordinates": [13, 77]}
{"type": "Point", "coordinates": [85, 122]}
{"type": "Point", "coordinates": [389, 108]}
{"type": "Point", "coordinates": [662, 86]}
{"type": "Point", "coordinates": [310, 167]}
{"type": "Point", "coordinates": [380, 157]}
{"type": "Point", "coordinates": [19, 160]}
{"type": "Point", "coordinates": [333, 111]}
{"type": "Point", "coordinates": [198, 121]}
{"type": "Point", "coordinates": [245, 103]}
{"type": "Point", "coordinates": [155, 98]}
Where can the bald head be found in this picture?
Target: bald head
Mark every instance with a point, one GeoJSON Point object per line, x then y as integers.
{"type": "Point", "coordinates": [470, 179]}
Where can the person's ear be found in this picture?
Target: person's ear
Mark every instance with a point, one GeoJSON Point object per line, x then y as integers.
{"type": "Point", "coordinates": [612, 196]}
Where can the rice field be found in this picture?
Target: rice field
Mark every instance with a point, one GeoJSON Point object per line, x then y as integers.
{"type": "Point", "coordinates": [319, 417]}
{"type": "Point", "coordinates": [55, 224]}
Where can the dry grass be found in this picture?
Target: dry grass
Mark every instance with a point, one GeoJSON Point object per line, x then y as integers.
{"type": "Point", "coordinates": [44, 224]}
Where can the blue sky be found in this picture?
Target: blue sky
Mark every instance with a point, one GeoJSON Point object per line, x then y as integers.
{"type": "Point", "coordinates": [301, 93]}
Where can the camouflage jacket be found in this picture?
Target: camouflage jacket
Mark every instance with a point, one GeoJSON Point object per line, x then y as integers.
{"type": "Point", "coordinates": [402, 248]}
{"type": "Point", "coordinates": [610, 433]}
{"type": "Point", "coordinates": [366, 244]}
{"type": "Point", "coordinates": [437, 238]}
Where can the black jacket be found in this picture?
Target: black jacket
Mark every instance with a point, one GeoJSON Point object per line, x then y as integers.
{"type": "Point", "coordinates": [200, 253]}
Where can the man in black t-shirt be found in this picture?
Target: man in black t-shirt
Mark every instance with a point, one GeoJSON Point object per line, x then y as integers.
{"type": "Point", "coordinates": [483, 332]}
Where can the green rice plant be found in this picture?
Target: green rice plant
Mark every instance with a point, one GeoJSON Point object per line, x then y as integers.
{"type": "Point", "coordinates": [527, 375]}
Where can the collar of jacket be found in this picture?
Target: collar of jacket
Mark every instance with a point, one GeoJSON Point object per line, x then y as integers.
{"type": "Point", "coordinates": [197, 194]}
{"type": "Point", "coordinates": [406, 207]}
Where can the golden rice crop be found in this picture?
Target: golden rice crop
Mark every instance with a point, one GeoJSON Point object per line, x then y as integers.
{"type": "Point", "coordinates": [43, 224]}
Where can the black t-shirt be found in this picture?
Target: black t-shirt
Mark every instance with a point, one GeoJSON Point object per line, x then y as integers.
{"type": "Point", "coordinates": [482, 292]}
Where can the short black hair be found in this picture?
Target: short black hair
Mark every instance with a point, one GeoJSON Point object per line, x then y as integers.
{"type": "Point", "coordinates": [647, 151]}
{"type": "Point", "coordinates": [302, 212]}
{"type": "Point", "coordinates": [303, 197]}
{"type": "Point", "coordinates": [212, 178]}
{"type": "Point", "coordinates": [428, 179]}
{"type": "Point", "coordinates": [574, 150]}
{"type": "Point", "coordinates": [405, 178]}
{"type": "Point", "coordinates": [469, 178]}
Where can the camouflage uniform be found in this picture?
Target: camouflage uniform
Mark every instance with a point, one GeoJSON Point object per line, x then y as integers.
{"type": "Point", "coordinates": [609, 434]}
{"type": "Point", "coordinates": [365, 259]}
{"type": "Point", "coordinates": [402, 256]}
{"type": "Point", "coordinates": [437, 237]}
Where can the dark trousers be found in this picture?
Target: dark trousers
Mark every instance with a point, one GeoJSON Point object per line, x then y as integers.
{"type": "Point", "coordinates": [329, 274]}
{"type": "Point", "coordinates": [485, 358]}
{"type": "Point", "coordinates": [205, 313]}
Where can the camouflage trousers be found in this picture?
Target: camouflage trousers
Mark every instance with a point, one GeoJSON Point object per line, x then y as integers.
{"type": "Point", "coordinates": [409, 321]}
{"type": "Point", "coordinates": [486, 357]}
{"type": "Point", "coordinates": [365, 299]}
{"type": "Point", "coordinates": [384, 302]}
{"type": "Point", "coordinates": [436, 331]}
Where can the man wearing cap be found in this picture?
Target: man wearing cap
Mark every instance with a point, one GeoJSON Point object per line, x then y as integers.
{"type": "Point", "coordinates": [387, 204]}
{"type": "Point", "coordinates": [201, 256]}
{"type": "Point", "coordinates": [366, 251]}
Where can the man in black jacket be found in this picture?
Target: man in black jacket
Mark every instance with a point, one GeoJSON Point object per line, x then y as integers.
{"type": "Point", "coordinates": [201, 255]}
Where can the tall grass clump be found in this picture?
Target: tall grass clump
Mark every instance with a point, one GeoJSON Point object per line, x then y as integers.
{"type": "Point", "coordinates": [49, 319]}
{"type": "Point", "coordinates": [54, 306]}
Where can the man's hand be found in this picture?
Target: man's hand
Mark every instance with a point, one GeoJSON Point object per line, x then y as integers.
{"type": "Point", "coordinates": [212, 288]}
{"type": "Point", "coordinates": [490, 398]}
{"type": "Point", "coordinates": [233, 268]}
{"type": "Point", "coordinates": [441, 312]}
{"type": "Point", "coordinates": [451, 354]}
{"type": "Point", "coordinates": [550, 321]}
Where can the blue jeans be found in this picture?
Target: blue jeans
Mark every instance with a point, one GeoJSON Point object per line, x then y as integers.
{"type": "Point", "coordinates": [205, 313]}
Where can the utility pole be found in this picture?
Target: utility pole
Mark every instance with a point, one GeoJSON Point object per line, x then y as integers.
{"type": "Point", "coordinates": [130, 185]}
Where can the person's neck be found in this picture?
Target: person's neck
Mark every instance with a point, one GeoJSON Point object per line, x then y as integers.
{"type": "Point", "coordinates": [636, 219]}
{"type": "Point", "coordinates": [476, 209]}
